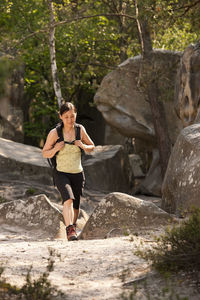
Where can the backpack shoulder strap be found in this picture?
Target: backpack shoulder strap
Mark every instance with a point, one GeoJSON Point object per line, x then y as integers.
{"type": "Point", "coordinates": [78, 136]}
{"type": "Point", "coordinates": [59, 129]}
{"type": "Point", "coordinates": [78, 131]}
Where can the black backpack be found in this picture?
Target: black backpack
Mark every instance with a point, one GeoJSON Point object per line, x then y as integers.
{"type": "Point", "coordinates": [59, 129]}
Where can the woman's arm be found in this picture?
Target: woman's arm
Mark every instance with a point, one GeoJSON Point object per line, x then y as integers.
{"type": "Point", "coordinates": [51, 147]}
{"type": "Point", "coordinates": [85, 143]}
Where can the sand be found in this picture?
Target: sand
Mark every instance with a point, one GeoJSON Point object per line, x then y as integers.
{"type": "Point", "coordinates": [84, 269]}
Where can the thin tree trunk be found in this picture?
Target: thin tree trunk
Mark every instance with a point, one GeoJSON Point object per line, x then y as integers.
{"type": "Point", "coordinates": [160, 125]}
{"type": "Point", "coordinates": [156, 105]}
{"type": "Point", "coordinates": [52, 49]}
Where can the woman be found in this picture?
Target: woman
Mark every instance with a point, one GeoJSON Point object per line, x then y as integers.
{"type": "Point", "coordinates": [68, 175]}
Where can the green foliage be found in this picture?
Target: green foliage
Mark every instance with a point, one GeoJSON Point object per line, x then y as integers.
{"type": "Point", "coordinates": [41, 288]}
{"type": "Point", "coordinates": [86, 49]}
{"type": "Point", "coordinates": [37, 289]}
{"type": "Point", "coordinates": [179, 248]}
{"type": "Point", "coordinates": [34, 289]}
{"type": "Point", "coordinates": [168, 291]}
{"type": "Point", "coordinates": [30, 191]}
{"type": "Point", "coordinates": [176, 38]}
{"type": "Point", "coordinates": [173, 24]}
{"type": "Point", "coordinates": [7, 288]}
{"type": "Point", "coordinates": [2, 200]}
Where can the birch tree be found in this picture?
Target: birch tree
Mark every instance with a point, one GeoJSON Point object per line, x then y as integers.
{"type": "Point", "coordinates": [52, 49]}
{"type": "Point", "coordinates": [153, 93]}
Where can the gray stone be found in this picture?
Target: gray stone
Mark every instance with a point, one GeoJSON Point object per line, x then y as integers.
{"type": "Point", "coordinates": [136, 165]}
{"type": "Point", "coordinates": [9, 130]}
{"type": "Point", "coordinates": [21, 161]}
{"type": "Point", "coordinates": [152, 183]}
{"type": "Point", "coordinates": [113, 137]}
{"type": "Point", "coordinates": [15, 189]}
{"type": "Point", "coordinates": [120, 213]}
{"type": "Point", "coordinates": [187, 95]}
{"type": "Point", "coordinates": [124, 105]}
{"type": "Point", "coordinates": [11, 103]}
{"type": "Point", "coordinates": [107, 169]}
{"type": "Point", "coordinates": [181, 188]}
{"type": "Point", "coordinates": [35, 213]}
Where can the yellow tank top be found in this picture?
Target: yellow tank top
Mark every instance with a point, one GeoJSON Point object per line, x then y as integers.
{"type": "Point", "coordinates": [68, 159]}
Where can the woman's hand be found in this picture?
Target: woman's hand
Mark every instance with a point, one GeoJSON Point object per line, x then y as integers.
{"type": "Point", "coordinates": [85, 147]}
{"type": "Point", "coordinates": [78, 143]}
{"type": "Point", "coordinates": [59, 146]}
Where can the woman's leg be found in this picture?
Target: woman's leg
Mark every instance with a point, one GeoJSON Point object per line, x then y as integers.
{"type": "Point", "coordinates": [77, 182]}
{"type": "Point", "coordinates": [63, 183]}
{"type": "Point", "coordinates": [68, 212]}
{"type": "Point", "coordinates": [76, 214]}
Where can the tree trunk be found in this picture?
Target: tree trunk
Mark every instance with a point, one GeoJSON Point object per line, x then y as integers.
{"type": "Point", "coordinates": [52, 49]}
{"type": "Point", "coordinates": [160, 126]}
{"type": "Point", "coordinates": [152, 90]}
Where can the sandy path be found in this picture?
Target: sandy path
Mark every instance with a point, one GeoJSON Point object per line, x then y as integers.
{"type": "Point", "coordinates": [87, 269]}
{"type": "Point", "coordinates": [83, 270]}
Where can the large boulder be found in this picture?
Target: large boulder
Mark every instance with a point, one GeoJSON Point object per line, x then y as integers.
{"type": "Point", "coordinates": [8, 130]}
{"type": "Point", "coordinates": [23, 161]}
{"type": "Point", "coordinates": [112, 136]}
{"type": "Point", "coordinates": [123, 213]}
{"type": "Point", "coordinates": [11, 99]}
{"type": "Point", "coordinates": [187, 96]}
{"type": "Point", "coordinates": [181, 187]}
{"type": "Point", "coordinates": [18, 188]}
{"type": "Point", "coordinates": [152, 184]}
{"type": "Point", "coordinates": [124, 105]}
{"type": "Point", "coordinates": [107, 169]}
{"type": "Point", "coordinates": [36, 213]}
{"type": "Point", "coordinates": [136, 165]}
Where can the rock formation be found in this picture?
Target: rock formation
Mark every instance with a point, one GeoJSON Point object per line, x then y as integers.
{"type": "Point", "coordinates": [152, 183]}
{"type": "Point", "coordinates": [187, 96]}
{"type": "Point", "coordinates": [107, 168]}
{"type": "Point", "coordinates": [124, 105]}
{"type": "Point", "coordinates": [119, 214]}
{"type": "Point", "coordinates": [19, 161]}
{"type": "Point", "coordinates": [181, 188]}
{"type": "Point", "coordinates": [35, 213]}
{"type": "Point", "coordinates": [11, 112]}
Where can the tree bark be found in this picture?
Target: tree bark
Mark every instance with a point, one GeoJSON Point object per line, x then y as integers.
{"type": "Point", "coordinates": [160, 126]}
{"type": "Point", "coordinates": [152, 90]}
{"type": "Point", "coordinates": [52, 49]}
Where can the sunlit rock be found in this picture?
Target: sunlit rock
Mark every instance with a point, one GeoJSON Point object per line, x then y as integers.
{"type": "Point", "coordinates": [123, 214]}
{"type": "Point", "coordinates": [181, 188]}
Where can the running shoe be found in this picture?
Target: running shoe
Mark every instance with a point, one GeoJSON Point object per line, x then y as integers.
{"type": "Point", "coordinates": [71, 233]}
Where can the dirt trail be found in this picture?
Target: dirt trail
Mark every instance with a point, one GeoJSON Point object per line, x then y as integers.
{"type": "Point", "coordinates": [87, 269]}
{"type": "Point", "coordinates": [91, 269]}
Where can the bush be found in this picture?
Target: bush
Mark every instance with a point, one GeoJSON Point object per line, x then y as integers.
{"type": "Point", "coordinates": [33, 289]}
{"type": "Point", "coordinates": [179, 248]}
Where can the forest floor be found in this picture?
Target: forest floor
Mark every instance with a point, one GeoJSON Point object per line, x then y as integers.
{"type": "Point", "coordinates": [89, 269]}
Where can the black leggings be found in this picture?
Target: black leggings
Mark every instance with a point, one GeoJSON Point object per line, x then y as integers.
{"type": "Point", "coordinates": [70, 186]}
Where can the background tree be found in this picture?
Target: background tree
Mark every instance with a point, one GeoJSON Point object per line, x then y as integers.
{"type": "Point", "coordinates": [52, 49]}
{"type": "Point", "coordinates": [152, 90]}
{"type": "Point", "coordinates": [87, 47]}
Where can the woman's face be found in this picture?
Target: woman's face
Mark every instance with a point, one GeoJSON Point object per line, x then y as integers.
{"type": "Point", "coordinates": [68, 117]}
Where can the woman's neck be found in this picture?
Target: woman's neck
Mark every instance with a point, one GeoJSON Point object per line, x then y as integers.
{"type": "Point", "coordinates": [68, 128]}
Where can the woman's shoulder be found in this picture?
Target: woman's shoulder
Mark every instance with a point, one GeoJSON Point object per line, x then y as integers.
{"type": "Point", "coordinates": [53, 134]}
{"type": "Point", "coordinates": [81, 126]}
